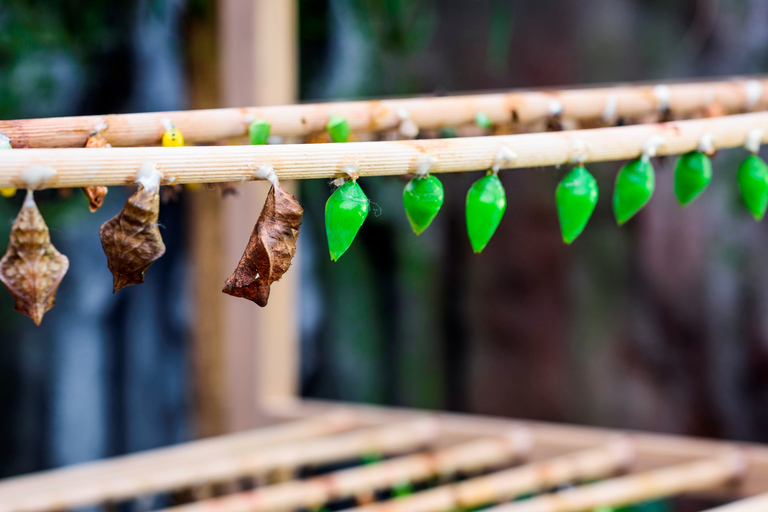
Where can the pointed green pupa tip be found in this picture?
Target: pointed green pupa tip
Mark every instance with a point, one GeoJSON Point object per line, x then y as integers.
{"type": "Point", "coordinates": [258, 131]}
{"type": "Point", "coordinates": [423, 197]}
{"type": "Point", "coordinates": [345, 212]}
{"type": "Point", "coordinates": [485, 206]}
{"type": "Point", "coordinates": [338, 128]}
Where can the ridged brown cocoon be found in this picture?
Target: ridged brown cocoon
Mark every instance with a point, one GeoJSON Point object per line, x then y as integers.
{"type": "Point", "coordinates": [96, 194]}
{"type": "Point", "coordinates": [270, 248]}
{"type": "Point", "coordinates": [131, 239]}
{"type": "Point", "coordinates": [32, 268]}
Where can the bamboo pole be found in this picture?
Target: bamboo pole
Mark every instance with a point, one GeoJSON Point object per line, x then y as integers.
{"type": "Point", "coordinates": [94, 488]}
{"type": "Point", "coordinates": [693, 476]}
{"type": "Point", "coordinates": [587, 464]}
{"type": "Point", "coordinates": [725, 96]}
{"type": "Point", "coordinates": [314, 492]}
{"type": "Point", "coordinates": [46, 168]}
{"type": "Point", "coordinates": [754, 504]}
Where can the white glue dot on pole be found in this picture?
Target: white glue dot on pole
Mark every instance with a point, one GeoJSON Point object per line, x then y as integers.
{"type": "Point", "coordinates": [651, 146]}
{"type": "Point", "coordinates": [407, 126]}
{"type": "Point", "coordinates": [662, 94]}
{"type": "Point", "coordinates": [5, 141]}
{"type": "Point", "coordinates": [754, 140]}
{"type": "Point", "coordinates": [581, 151]}
{"type": "Point", "coordinates": [149, 177]}
{"type": "Point", "coordinates": [609, 112]}
{"type": "Point", "coordinates": [424, 164]}
{"type": "Point", "coordinates": [266, 172]}
{"type": "Point", "coordinates": [555, 108]}
{"type": "Point", "coordinates": [754, 91]}
{"type": "Point", "coordinates": [167, 123]}
{"type": "Point", "coordinates": [351, 170]}
{"type": "Point", "coordinates": [707, 144]}
{"type": "Point", "coordinates": [505, 157]}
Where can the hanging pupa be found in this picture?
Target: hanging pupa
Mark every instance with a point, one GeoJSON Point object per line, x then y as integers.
{"type": "Point", "coordinates": [486, 203]}
{"type": "Point", "coordinates": [423, 196]}
{"type": "Point", "coordinates": [338, 128]}
{"type": "Point", "coordinates": [271, 247]}
{"type": "Point", "coordinates": [753, 177]}
{"type": "Point", "coordinates": [258, 132]}
{"type": "Point", "coordinates": [32, 268]}
{"type": "Point", "coordinates": [131, 239]}
{"type": "Point", "coordinates": [96, 194]}
{"type": "Point", "coordinates": [576, 198]}
{"type": "Point", "coordinates": [5, 143]}
{"type": "Point", "coordinates": [693, 172]}
{"type": "Point", "coordinates": [636, 182]}
{"type": "Point", "coordinates": [345, 212]}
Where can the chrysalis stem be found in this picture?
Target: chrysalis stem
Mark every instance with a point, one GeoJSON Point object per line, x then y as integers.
{"type": "Point", "coordinates": [149, 177]}
{"type": "Point", "coordinates": [651, 146]}
{"type": "Point", "coordinates": [754, 140]}
{"type": "Point", "coordinates": [504, 157]}
{"type": "Point", "coordinates": [266, 172]}
{"type": "Point", "coordinates": [707, 144]}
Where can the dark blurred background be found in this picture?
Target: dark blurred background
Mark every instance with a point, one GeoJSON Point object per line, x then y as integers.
{"type": "Point", "coordinates": [659, 325]}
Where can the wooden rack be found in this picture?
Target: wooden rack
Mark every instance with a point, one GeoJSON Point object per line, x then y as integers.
{"type": "Point", "coordinates": [44, 168]}
{"type": "Point", "coordinates": [458, 461]}
{"type": "Point", "coordinates": [699, 98]}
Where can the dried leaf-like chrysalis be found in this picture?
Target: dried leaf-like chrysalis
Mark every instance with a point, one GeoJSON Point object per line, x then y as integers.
{"type": "Point", "coordinates": [32, 268]}
{"type": "Point", "coordinates": [270, 248]}
{"type": "Point", "coordinates": [131, 239]}
{"type": "Point", "coordinates": [96, 194]}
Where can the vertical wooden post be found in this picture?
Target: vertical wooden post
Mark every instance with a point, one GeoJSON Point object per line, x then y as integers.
{"type": "Point", "coordinates": [258, 40]}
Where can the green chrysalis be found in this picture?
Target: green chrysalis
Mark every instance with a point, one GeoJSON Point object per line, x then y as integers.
{"type": "Point", "coordinates": [692, 175]}
{"type": "Point", "coordinates": [422, 197]}
{"type": "Point", "coordinates": [576, 198]}
{"type": "Point", "coordinates": [259, 130]}
{"type": "Point", "coordinates": [634, 187]}
{"type": "Point", "coordinates": [338, 129]}
{"type": "Point", "coordinates": [753, 183]}
{"type": "Point", "coordinates": [486, 202]}
{"type": "Point", "coordinates": [402, 489]}
{"type": "Point", "coordinates": [345, 213]}
{"type": "Point", "coordinates": [483, 120]}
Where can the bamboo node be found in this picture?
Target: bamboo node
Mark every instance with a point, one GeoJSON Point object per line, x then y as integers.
{"type": "Point", "coordinates": [35, 176]}
{"type": "Point", "coordinates": [754, 140]}
{"type": "Point", "coordinates": [754, 90]}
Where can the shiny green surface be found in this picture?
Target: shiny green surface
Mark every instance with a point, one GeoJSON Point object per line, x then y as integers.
{"type": "Point", "coordinates": [338, 129]}
{"type": "Point", "coordinates": [422, 197]}
{"type": "Point", "coordinates": [753, 183]}
{"type": "Point", "coordinates": [345, 212]}
{"type": "Point", "coordinates": [486, 203]}
{"type": "Point", "coordinates": [692, 175]}
{"type": "Point", "coordinates": [258, 131]}
{"type": "Point", "coordinates": [576, 198]}
{"type": "Point", "coordinates": [634, 187]}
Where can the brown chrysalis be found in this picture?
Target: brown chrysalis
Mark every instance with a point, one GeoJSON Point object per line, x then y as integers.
{"type": "Point", "coordinates": [270, 248]}
{"type": "Point", "coordinates": [32, 268]}
{"type": "Point", "coordinates": [131, 239]}
{"type": "Point", "coordinates": [96, 194]}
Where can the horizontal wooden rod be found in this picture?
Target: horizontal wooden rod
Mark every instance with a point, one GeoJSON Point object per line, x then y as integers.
{"type": "Point", "coordinates": [50, 168]}
{"type": "Point", "coordinates": [388, 439]}
{"type": "Point", "coordinates": [754, 504]}
{"type": "Point", "coordinates": [734, 95]}
{"type": "Point", "coordinates": [505, 485]}
{"type": "Point", "coordinates": [315, 492]}
{"type": "Point", "coordinates": [196, 452]}
{"type": "Point", "coordinates": [691, 477]}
